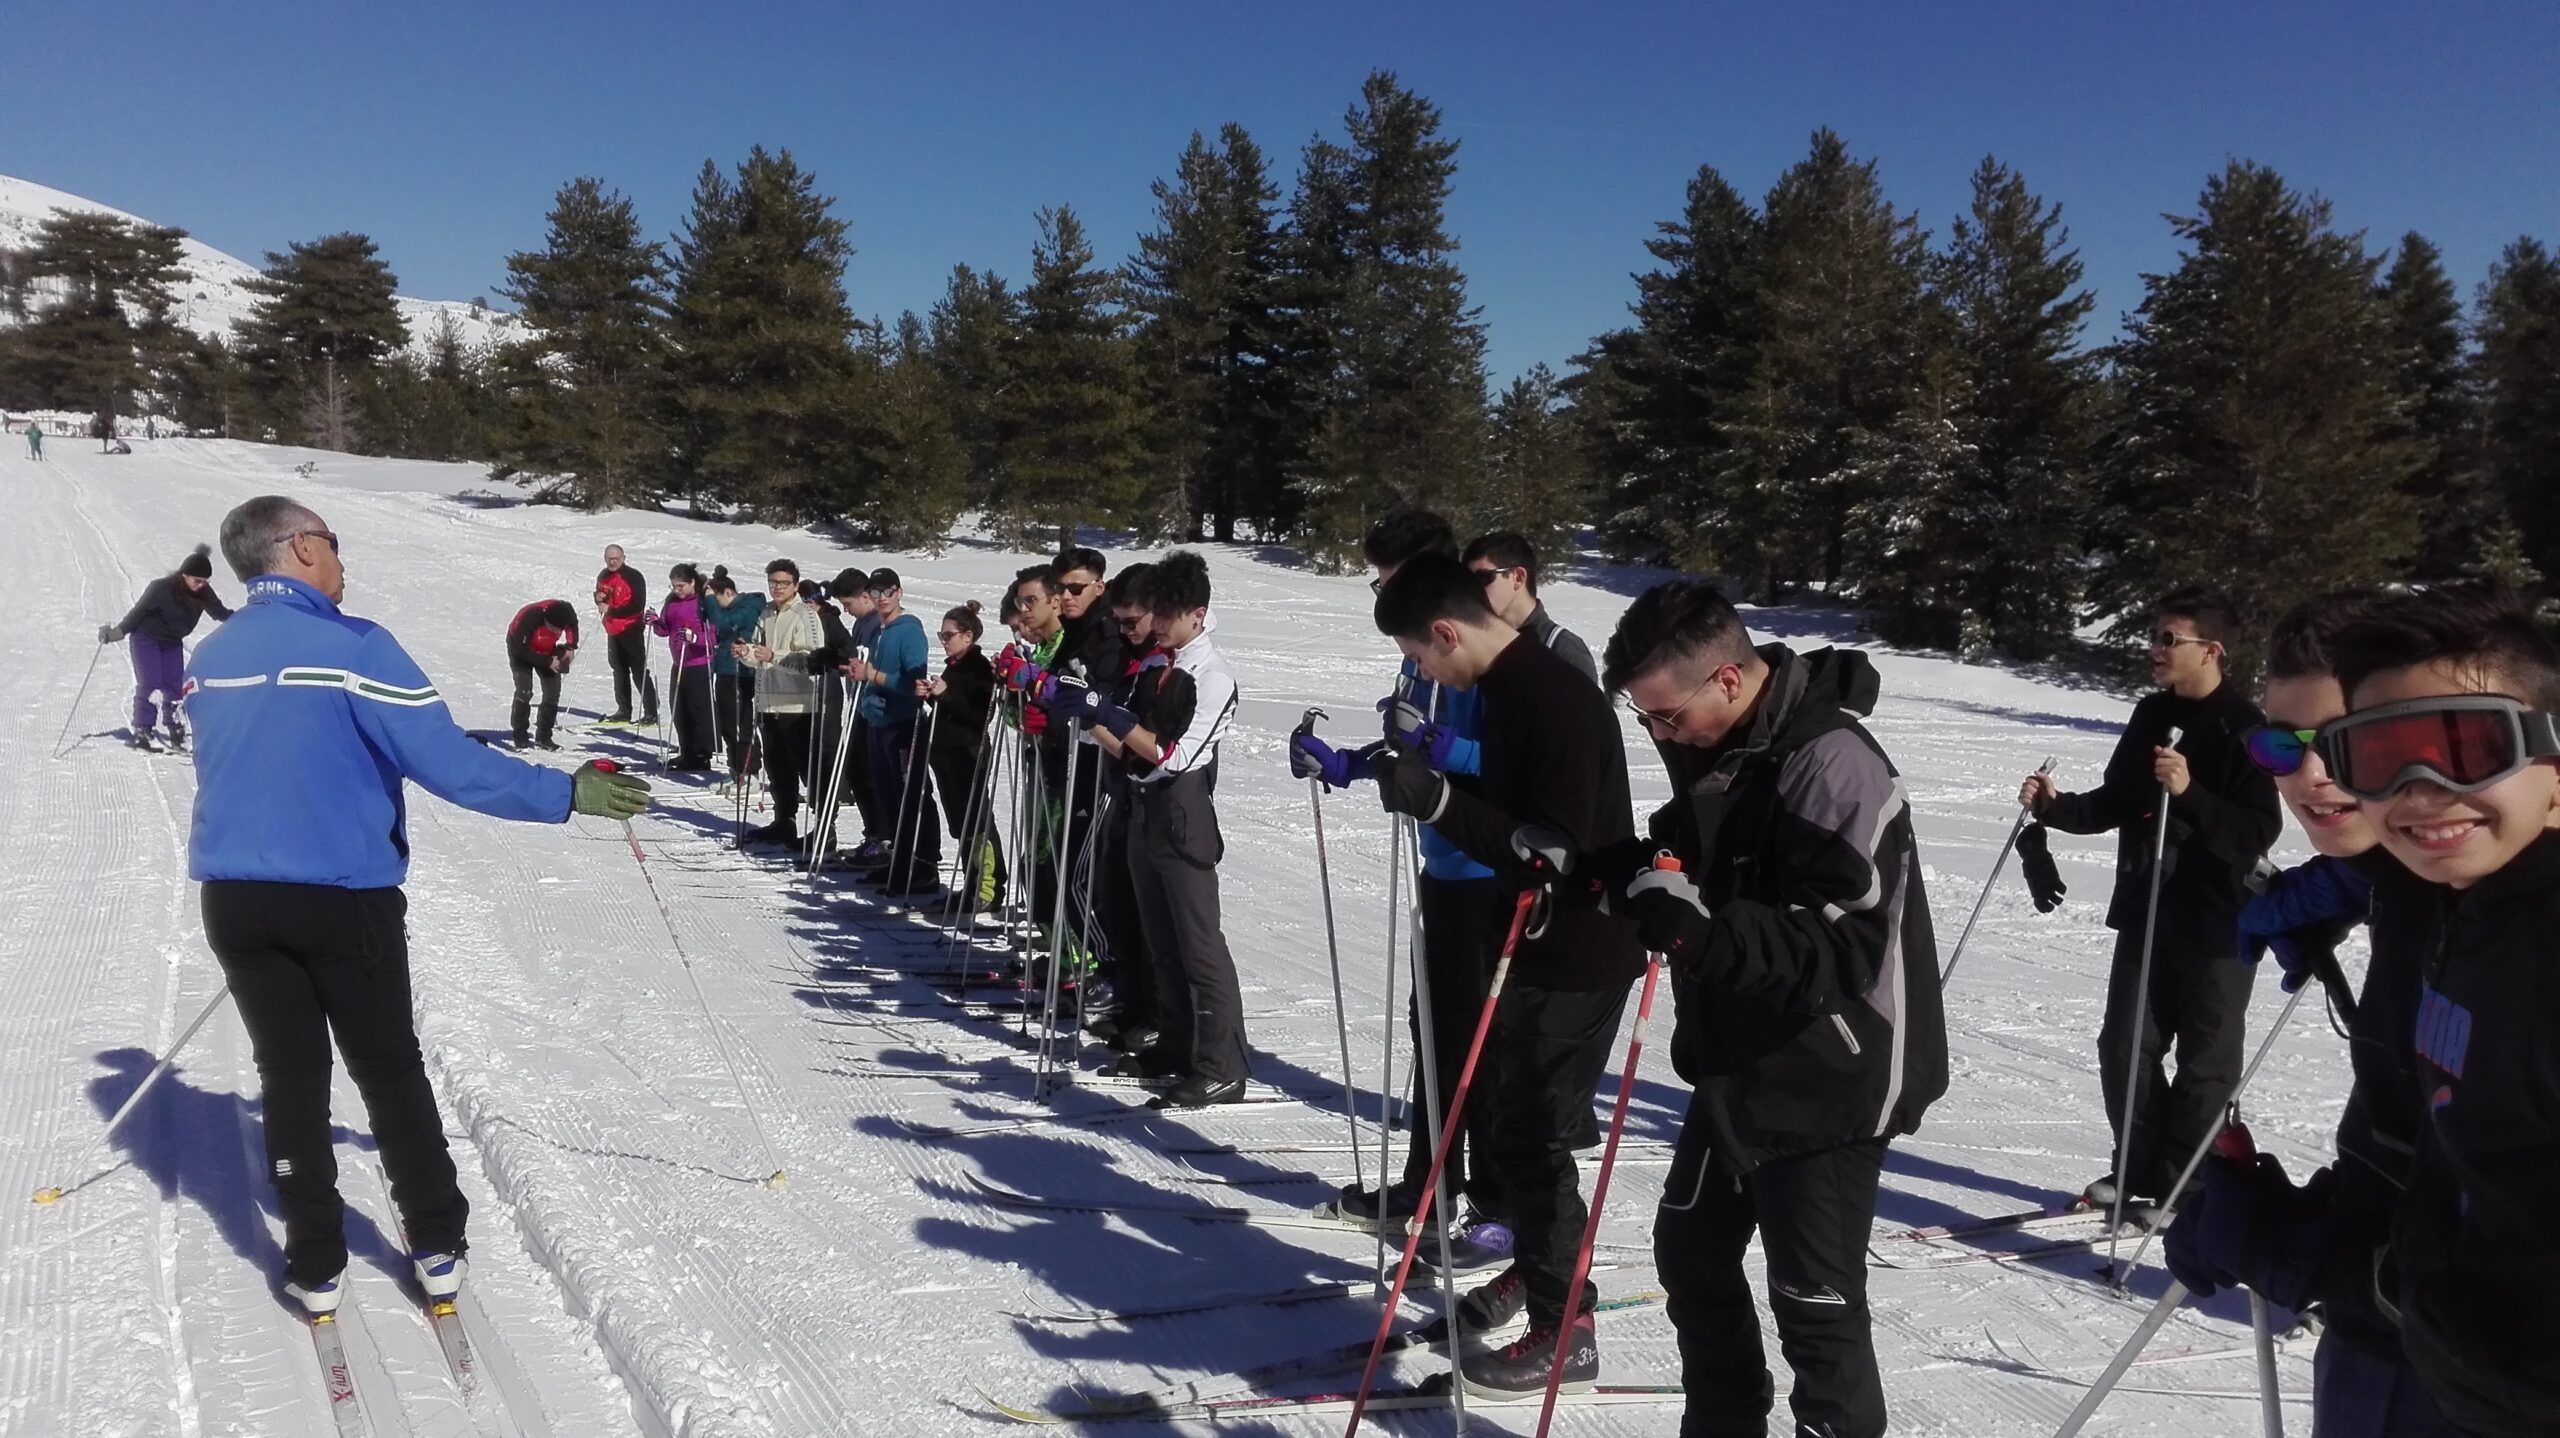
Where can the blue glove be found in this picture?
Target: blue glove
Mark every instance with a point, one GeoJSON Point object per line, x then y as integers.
{"type": "Point", "coordinates": [1110, 717]}
{"type": "Point", "coordinates": [2246, 1226]}
{"type": "Point", "coordinates": [1312, 758]}
{"type": "Point", "coordinates": [2303, 914]}
{"type": "Point", "coordinates": [1412, 732]}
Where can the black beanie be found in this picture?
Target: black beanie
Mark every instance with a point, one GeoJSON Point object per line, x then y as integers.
{"type": "Point", "coordinates": [197, 563]}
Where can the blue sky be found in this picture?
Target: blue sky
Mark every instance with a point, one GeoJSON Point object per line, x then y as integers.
{"type": "Point", "coordinates": [443, 129]}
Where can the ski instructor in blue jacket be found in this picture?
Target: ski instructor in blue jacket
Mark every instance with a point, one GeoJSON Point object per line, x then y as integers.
{"type": "Point", "coordinates": [308, 724]}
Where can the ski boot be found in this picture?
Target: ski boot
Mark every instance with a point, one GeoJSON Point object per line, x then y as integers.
{"type": "Point", "coordinates": [318, 1300]}
{"type": "Point", "coordinates": [1476, 1244]}
{"type": "Point", "coordinates": [440, 1274]}
{"type": "Point", "coordinates": [1518, 1371]}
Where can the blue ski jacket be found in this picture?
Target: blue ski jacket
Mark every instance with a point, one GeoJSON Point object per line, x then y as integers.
{"type": "Point", "coordinates": [307, 722]}
{"type": "Point", "coordinates": [1454, 709]}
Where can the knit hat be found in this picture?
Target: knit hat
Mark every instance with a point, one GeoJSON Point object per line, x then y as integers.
{"type": "Point", "coordinates": [197, 563]}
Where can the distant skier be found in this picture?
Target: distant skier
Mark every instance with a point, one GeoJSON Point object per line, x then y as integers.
{"type": "Point", "coordinates": [35, 439]}
{"type": "Point", "coordinates": [309, 722]}
{"type": "Point", "coordinates": [622, 597]}
{"type": "Point", "coordinates": [689, 640]}
{"type": "Point", "coordinates": [542, 641]}
{"type": "Point", "coordinates": [155, 632]}
{"type": "Point", "coordinates": [732, 617]}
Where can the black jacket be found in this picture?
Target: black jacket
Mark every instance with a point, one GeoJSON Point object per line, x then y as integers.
{"type": "Point", "coordinates": [168, 610]}
{"type": "Point", "coordinates": [960, 714]}
{"type": "Point", "coordinates": [1811, 1016]}
{"type": "Point", "coordinates": [2478, 1271]}
{"type": "Point", "coordinates": [2218, 829]}
{"type": "Point", "coordinates": [533, 642]}
{"type": "Point", "coordinates": [1552, 755]}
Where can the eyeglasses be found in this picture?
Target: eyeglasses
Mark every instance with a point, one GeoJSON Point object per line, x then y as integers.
{"type": "Point", "coordinates": [2461, 742]}
{"type": "Point", "coordinates": [1671, 719]}
{"type": "Point", "coordinates": [781, 581]}
{"type": "Point", "coordinates": [2165, 639]}
{"type": "Point", "coordinates": [314, 534]}
{"type": "Point", "coordinates": [2279, 751]}
{"type": "Point", "coordinates": [950, 634]}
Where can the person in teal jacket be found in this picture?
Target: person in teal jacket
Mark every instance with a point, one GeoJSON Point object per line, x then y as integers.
{"type": "Point", "coordinates": [733, 618]}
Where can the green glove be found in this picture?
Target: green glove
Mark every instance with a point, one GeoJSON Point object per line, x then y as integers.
{"type": "Point", "coordinates": [599, 789]}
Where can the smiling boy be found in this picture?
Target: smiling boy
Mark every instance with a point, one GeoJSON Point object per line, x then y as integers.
{"type": "Point", "coordinates": [2450, 742]}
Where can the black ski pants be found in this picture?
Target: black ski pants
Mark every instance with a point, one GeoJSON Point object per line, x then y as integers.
{"type": "Point", "coordinates": [2199, 1001]}
{"type": "Point", "coordinates": [306, 961]}
{"type": "Point", "coordinates": [628, 653]}
{"type": "Point", "coordinates": [1174, 849]}
{"type": "Point", "coordinates": [1060, 853]}
{"type": "Point", "coordinates": [1115, 912]}
{"type": "Point", "coordinates": [733, 709]}
{"type": "Point", "coordinates": [1462, 931]}
{"type": "Point", "coordinates": [522, 719]}
{"type": "Point", "coordinates": [786, 753]}
{"type": "Point", "coordinates": [961, 779]}
{"type": "Point", "coordinates": [694, 733]}
{"type": "Point", "coordinates": [901, 774]}
{"type": "Point", "coordinates": [1554, 1045]}
{"type": "Point", "coordinates": [1814, 1212]}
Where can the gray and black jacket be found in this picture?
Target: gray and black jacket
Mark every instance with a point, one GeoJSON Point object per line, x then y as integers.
{"type": "Point", "coordinates": [1810, 1017]}
{"type": "Point", "coordinates": [1560, 641]}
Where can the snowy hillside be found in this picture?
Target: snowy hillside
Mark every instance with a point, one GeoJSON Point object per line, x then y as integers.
{"type": "Point", "coordinates": [632, 1276]}
{"type": "Point", "coordinates": [213, 301]}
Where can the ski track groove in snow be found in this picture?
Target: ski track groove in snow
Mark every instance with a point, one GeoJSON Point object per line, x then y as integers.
{"type": "Point", "coordinates": [627, 1260]}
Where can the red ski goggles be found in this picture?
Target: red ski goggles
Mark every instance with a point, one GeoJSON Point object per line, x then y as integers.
{"type": "Point", "coordinates": [2461, 742]}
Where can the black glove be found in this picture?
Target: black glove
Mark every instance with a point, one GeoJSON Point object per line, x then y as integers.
{"type": "Point", "coordinates": [1668, 913]}
{"type": "Point", "coordinates": [2246, 1225]}
{"type": "Point", "coordinates": [2035, 860]}
{"type": "Point", "coordinates": [106, 634]}
{"type": "Point", "coordinates": [1407, 785]}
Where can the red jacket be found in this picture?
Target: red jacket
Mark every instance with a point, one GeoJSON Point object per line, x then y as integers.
{"type": "Point", "coordinates": [530, 641]}
{"type": "Point", "coordinates": [624, 596]}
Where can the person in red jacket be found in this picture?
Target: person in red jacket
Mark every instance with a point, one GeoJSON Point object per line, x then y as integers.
{"type": "Point", "coordinates": [541, 641]}
{"type": "Point", "coordinates": [622, 597]}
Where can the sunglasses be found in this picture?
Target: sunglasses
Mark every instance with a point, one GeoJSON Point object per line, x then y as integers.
{"type": "Point", "coordinates": [2166, 640]}
{"type": "Point", "coordinates": [314, 534]}
{"type": "Point", "coordinates": [1077, 589]}
{"type": "Point", "coordinates": [950, 634]}
{"type": "Point", "coordinates": [2279, 751]}
{"type": "Point", "coordinates": [2461, 742]}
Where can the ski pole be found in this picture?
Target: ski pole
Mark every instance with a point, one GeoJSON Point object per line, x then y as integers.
{"type": "Point", "coordinates": [666, 916]}
{"type": "Point", "coordinates": [826, 826]}
{"type": "Point", "coordinates": [2133, 1043]}
{"type": "Point", "coordinates": [1600, 1184]}
{"type": "Point", "coordinates": [1333, 952]}
{"type": "Point", "coordinates": [134, 1100]}
{"type": "Point", "coordinates": [1435, 1192]}
{"type": "Point", "coordinates": [2221, 1123]}
{"type": "Point", "coordinates": [1388, 1091]}
{"type": "Point", "coordinates": [973, 800]}
{"type": "Point", "coordinates": [67, 719]}
{"type": "Point", "coordinates": [2006, 848]}
{"type": "Point", "coordinates": [2270, 1392]}
{"type": "Point", "coordinates": [1061, 866]}
{"type": "Point", "coordinates": [1440, 1156]}
{"type": "Point", "coordinates": [2122, 1363]}
{"type": "Point", "coordinates": [1097, 944]}
{"type": "Point", "coordinates": [902, 843]}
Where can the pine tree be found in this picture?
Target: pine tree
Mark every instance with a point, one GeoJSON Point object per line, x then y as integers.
{"type": "Point", "coordinates": [583, 404]}
{"type": "Point", "coordinates": [1400, 417]}
{"type": "Point", "coordinates": [2424, 314]}
{"type": "Point", "coordinates": [2519, 382]}
{"type": "Point", "coordinates": [1650, 398]}
{"type": "Point", "coordinates": [2263, 449]}
{"type": "Point", "coordinates": [763, 340]}
{"type": "Point", "coordinates": [436, 405]}
{"type": "Point", "coordinates": [973, 339]}
{"type": "Point", "coordinates": [1070, 417]}
{"type": "Point", "coordinates": [1314, 289]}
{"type": "Point", "coordinates": [1537, 483]}
{"type": "Point", "coordinates": [914, 468]}
{"type": "Point", "coordinates": [98, 335]}
{"type": "Point", "coordinates": [323, 324]}
{"type": "Point", "coordinates": [1202, 286]}
{"type": "Point", "coordinates": [2001, 432]}
{"type": "Point", "coordinates": [1840, 301]}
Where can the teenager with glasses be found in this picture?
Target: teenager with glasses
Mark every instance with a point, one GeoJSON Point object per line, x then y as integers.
{"type": "Point", "coordinates": [2449, 741]}
{"type": "Point", "coordinates": [2327, 1242]}
{"type": "Point", "coordinates": [2222, 818]}
{"type": "Point", "coordinates": [790, 632]}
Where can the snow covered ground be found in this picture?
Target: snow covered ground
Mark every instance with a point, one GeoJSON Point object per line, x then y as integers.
{"type": "Point", "coordinates": [215, 299]}
{"type": "Point", "coordinates": [631, 1274]}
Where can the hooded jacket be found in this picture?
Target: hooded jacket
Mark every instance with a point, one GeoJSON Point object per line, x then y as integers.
{"type": "Point", "coordinates": [1810, 1018]}
{"type": "Point", "coordinates": [732, 623]}
{"type": "Point", "coordinates": [688, 636]}
{"type": "Point", "coordinates": [168, 610]}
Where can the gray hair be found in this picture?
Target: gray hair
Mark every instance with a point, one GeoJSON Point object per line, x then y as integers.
{"type": "Point", "coordinates": [253, 532]}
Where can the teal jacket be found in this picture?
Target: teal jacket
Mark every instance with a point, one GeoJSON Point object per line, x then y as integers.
{"type": "Point", "coordinates": [733, 622]}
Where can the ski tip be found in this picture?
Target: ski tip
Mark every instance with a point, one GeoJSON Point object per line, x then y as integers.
{"type": "Point", "coordinates": [46, 1197]}
{"type": "Point", "coordinates": [1018, 1415]}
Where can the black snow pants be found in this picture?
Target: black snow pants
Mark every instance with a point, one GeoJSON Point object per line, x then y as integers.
{"type": "Point", "coordinates": [2199, 1001]}
{"type": "Point", "coordinates": [1814, 1212]}
{"type": "Point", "coordinates": [786, 754]}
{"type": "Point", "coordinates": [733, 711]}
{"type": "Point", "coordinates": [1553, 1046]}
{"type": "Point", "coordinates": [306, 961]}
{"type": "Point", "coordinates": [1174, 849]}
{"type": "Point", "coordinates": [522, 713]}
{"type": "Point", "coordinates": [628, 652]}
{"type": "Point", "coordinates": [1116, 915]}
{"type": "Point", "coordinates": [692, 701]}
{"type": "Point", "coordinates": [960, 777]}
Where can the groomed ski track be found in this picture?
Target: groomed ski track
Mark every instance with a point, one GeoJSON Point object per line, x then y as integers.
{"type": "Point", "coordinates": [630, 1273]}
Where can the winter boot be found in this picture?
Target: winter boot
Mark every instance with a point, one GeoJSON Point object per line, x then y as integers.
{"type": "Point", "coordinates": [318, 1300]}
{"type": "Point", "coordinates": [1518, 1371]}
{"type": "Point", "coordinates": [440, 1274]}
{"type": "Point", "coordinates": [1475, 1245]}
{"type": "Point", "coordinates": [1496, 1303]}
{"type": "Point", "coordinates": [146, 740]}
{"type": "Point", "coordinates": [1198, 1092]}
{"type": "Point", "coordinates": [1385, 1208]}
{"type": "Point", "coordinates": [780, 834]}
{"type": "Point", "coordinates": [177, 736]}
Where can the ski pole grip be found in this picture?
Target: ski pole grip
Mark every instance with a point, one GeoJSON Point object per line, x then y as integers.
{"type": "Point", "coordinates": [2235, 1144]}
{"type": "Point", "coordinates": [606, 766]}
{"type": "Point", "coordinates": [1667, 862]}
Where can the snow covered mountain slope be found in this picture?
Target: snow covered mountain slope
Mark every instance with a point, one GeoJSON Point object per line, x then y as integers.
{"type": "Point", "coordinates": [633, 1274]}
{"type": "Point", "coordinates": [213, 301]}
